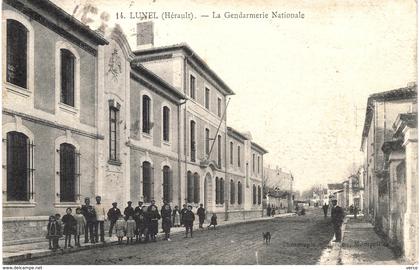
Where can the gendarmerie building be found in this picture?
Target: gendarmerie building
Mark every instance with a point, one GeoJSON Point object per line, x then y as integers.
{"type": "Point", "coordinates": [84, 115]}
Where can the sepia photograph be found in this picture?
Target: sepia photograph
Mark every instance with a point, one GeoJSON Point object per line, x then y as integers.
{"type": "Point", "coordinates": [209, 133]}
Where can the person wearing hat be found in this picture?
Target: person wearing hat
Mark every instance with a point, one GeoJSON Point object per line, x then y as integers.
{"type": "Point", "coordinates": [138, 211]}
{"type": "Point", "coordinates": [128, 211]}
{"type": "Point", "coordinates": [89, 213]}
{"type": "Point", "coordinates": [201, 213]}
{"type": "Point", "coordinates": [100, 220]}
{"type": "Point", "coordinates": [113, 214]}
{"type": "Point", "coordinates": [337, 217]}
{"type": "Point", "coordinates": [189, 221]}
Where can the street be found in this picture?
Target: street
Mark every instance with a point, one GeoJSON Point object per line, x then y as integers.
{"type": "Point", "coordinates": [295, 240]}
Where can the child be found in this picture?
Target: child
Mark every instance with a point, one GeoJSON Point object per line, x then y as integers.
{"type": "Point", "coordinates": [120, 228]}
{"type": "Point", "coordinates": [69, 228]}
{"type": "Point", "coordinates": [130, 228]}
{"type": "Point", "coordinates": [53, 233]}
{"type": "Point", "coordinates": [80, 226]}
{"type": "Point", "coordinates": [60, 226]}
{"type": "Point", "coordinates": [188, 221]}
{"type": "Point", "coordinates": [213, 221]}
{"type": "Point", "coordinates": [166, 221]}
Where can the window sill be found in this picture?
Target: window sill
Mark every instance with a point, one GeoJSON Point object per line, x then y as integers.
{"type": "Point", "coordinates": [24, 92]}
{"type": "Point", "coordinates": [147, 135]}
{"type": "Point", "coordinates": [16, 204]}
{"type": "Point", "coordinates": [67, 108]}
{"type": "Point", "coordinates": [66, 204]}
{"type": "Point", "coordinates": [167, 143]}
{"type": "Point", "coordinates": [114, 162]}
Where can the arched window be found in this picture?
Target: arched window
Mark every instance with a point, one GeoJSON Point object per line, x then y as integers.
{"type": "Point", "coordinates": [190, 187]}
{"type": "Point", "coordinates": [18, 159]}
{"type": "Point", "coordinates": [232, 192]}
{"type": "Point", "coordinates": [217, 191]}
{"type": "Point", "coordinates": [239, 193]}
{"type": "Point", "coordinates": [196, 188]}
{"type": "Point", "coordinates": [67, 77]}
{"type": "Point", "coordinates": [167, 184]}
{"type": "Point", "coordinates": [146, 114]}
{"type": "Point", "coordinates": [166, 123]}
{"type": "Point", "coordinates": [147, 181]}
{"type": "Point", "coordinates": [192, 140]}
{"type": "Point", "coordinates": [259, 194]}
{"type": "Point", "coordinates": [17, 44]}
{"type": "Point", "coordinates": [67, 173]}
{"type": "Point", "coordinates": [222, 191]}
{"type": "Point", "coordinates": [254, 194]}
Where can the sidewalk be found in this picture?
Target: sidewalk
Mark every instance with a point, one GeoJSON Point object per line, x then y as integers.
{"type": "Point", "coordinates": [360, 245]}
{"type": "Point", "coordinates": [21, 252]}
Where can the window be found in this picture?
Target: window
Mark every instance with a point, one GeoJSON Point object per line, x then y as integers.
{"type": "Point", "coordinates": [232, 192]}
{"type": "Point", "coordinates": [239, 156]}
{"type": "Point", "coordinates": [239, 193]}
{"type": "Point", "coordinates": [219, 151]}
{"type": "Point", "coordinates": [17, 43]}
{"type": "Point", "coordinates": [67, 173]}
{"type": "Point", "coordinates": [259, 194]}
{"type": "Point", "coordinates": [192, 140]}
{"type": "Point", "coordinates": [147, 181]}
{"type": "Point", "coordinates": [192, 86]}
{"type": "Point", "coordinates": [254, 194]}
{"type": "Point", "coordinates": [166, 123]}
{"type": "Point", "coordinates": [207, 141]}
{"type": "Point", "coordinates": [253, 162]}
{"type": "Point", "coordinates": [217, 191]}
{"type": "Point", "coordinates": [258, 164]}
{"type": "Point", "coordinates": [207, 98]}
{"type": "Point", "coordinates": [167, 184]}
{"type": "Point", "coordinates": [19, 161]}
{"type": "Point", "coordinates": [196, 188]}
{"type": "Point", "coordinates": [219, 107]}
{"type": "Point", "coordinates": [67, 77]}
{"type": "Point", "coordinates": [231, 153]}
{"type": "Point", "coordinates": [113, 133]}
{"type": "Point", "coordinates": [146, 114]}
{"type": "Point", "coordinates": [222, 191]}
{"type": "Point", "coordinates": [190, 187]}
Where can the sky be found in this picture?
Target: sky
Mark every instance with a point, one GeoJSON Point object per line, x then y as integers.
{"type": "Point", "coordinates": [301, 85]}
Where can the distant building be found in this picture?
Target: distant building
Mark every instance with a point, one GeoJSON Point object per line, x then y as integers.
{"type": "Point", "coordinates": [278, 188]}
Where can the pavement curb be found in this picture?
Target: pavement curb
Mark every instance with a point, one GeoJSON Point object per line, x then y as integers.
{"type": "Point", "coordinates": [48, 253]}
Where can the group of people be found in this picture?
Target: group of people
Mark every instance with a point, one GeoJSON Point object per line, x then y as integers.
{"type": "Point", "coordinates": [139, 223]}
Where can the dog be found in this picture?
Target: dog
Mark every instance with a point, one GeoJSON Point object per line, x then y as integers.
{"type": "Point", "coordinates": [267, 237]}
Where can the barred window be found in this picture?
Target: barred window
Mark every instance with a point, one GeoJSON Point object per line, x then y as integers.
{"type": "Point", "coordinates": [147, 181]}
{"type": "Point", "coordinates": [196, 188]}
{"type": "Point", "coordinates": [232, 192]}
{"type": "Point", "coordinates": [190, 187]}
{"type": "Point", "coordinates": [17, 44]}
{"type": "Point", "coordinates": [146, 114]}
{"type": "Point", "coordinates": [166, 123]}
{"type": "Point", "coordinates": [239, 193]}
{"type": "Point", "coordinates": [67, 77]}
{"type": "Point", "coordinates": [192, 140]}
{"type": "Point", "coordinates": [167, 184]}
{"type": "Point", "coordinates": [254, 194]}
{"type": "Point", "coordinates": [67, 173]}
{"type": "Point", "coordinates": [113, 133]}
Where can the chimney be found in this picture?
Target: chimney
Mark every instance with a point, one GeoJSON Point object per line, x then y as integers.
{"type": "Point", "coordinates": [145, 35]}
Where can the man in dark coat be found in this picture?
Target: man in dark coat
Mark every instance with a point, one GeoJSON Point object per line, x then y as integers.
{"type": "Point", "coordinates": [153, 218]}
{"type": "Point", "coordinates": [325, 209]}
{"type": "Point", "coordinates": [137, 212]}
{"type": "Point", "coordinates": [128, 211]}
{"type": "Point", "coordinates": [337, 217]}
{"type": "Point", "coordinates": [88, 211]}
{"type": "Point", "coordinates": [183, 210]}
{"type": "Point", "coordinates": [113, 214]}
{"type": "Point", "coordinates": [189, 221]}
{"type": "Point", "coordinates": [201, 213]}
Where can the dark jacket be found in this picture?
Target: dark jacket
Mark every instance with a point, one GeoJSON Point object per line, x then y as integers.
{"type": "Point", "coordinates": [337, 215]}
{"type": "Point", "coordinates": [113, 214]}
{"type": "Point", "coordinates": [128, 211]}
{"type": "Point", "coordinates": [69, 224]}
{"type": "Point", "coordinates": [201, 213]}
{"type": "Point", "coordinates": [53, 230]}
{"type": "Point", "coordinates": [137, 212]}
{"type": "Point", "coordinates": [325, 208]}
{"type": "Point", "coordinates": [213, 220]}
{"type": "Point", "coordinates": [166, 219]}
{"type": "Point", "coordinates": [189, 217]}
{"type": "Point", "coordinates": [182, 212]}
{"type": "Point", "coordinates": [89, 213]}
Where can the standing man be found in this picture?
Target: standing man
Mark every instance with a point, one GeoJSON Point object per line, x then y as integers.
{"type": "Point", "coordinates": [337, 217]}
{"type": "Point", "coordinates": [325, 209]}
{"type": "Point", "coordinates": [113, 214]}
{"type": "Point", "coordinates": [100, 220]}
{"type": "Point", "coordinates": [128, 211]}
{"type": "Point", "coordinates": [183, 211]}
{"type": "Point", "coordinates": [189, 221]}
{"type": "Point", "coordinates": [201, 213]}
{"type": "Point", "coordinates": [138, 211]}
{"type": "Point", "coordinates": [90, 215]}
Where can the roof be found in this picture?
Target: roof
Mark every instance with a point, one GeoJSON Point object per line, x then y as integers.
{"type": "Point", "coordinates": [236, 134]}
{"type": "Point", "coordinates": [156, 79]}
{"type": "Point", "coordinates": [409, 92]}
{"type": "Point", "coordinates": [335, 186]}
{"type": "Point", "coordinates": [75, 24]}
{"type": "Point", "coordinates": [403, 120]}
{"type": "Point", "coordinates": [259, 148]}
{"type": "Point", "coordinates": [189, 53]}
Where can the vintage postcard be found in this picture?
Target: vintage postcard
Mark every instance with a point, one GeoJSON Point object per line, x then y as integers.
{"type": "Point", "coordinates": [157, 132]}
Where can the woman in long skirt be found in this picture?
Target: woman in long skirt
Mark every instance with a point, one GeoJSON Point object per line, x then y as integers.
{"type": "Point", "coordinates": [176, 216]}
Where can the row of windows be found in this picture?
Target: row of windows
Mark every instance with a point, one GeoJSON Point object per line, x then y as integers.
{"type": "Point", "coordinates": [193, 89]}
{"type": "Point", "coordinates": [207, 144]}
{"type": "Point", "coordinates": [256, 198]}
{"type": "Point", "coordinates": [258, 165]}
